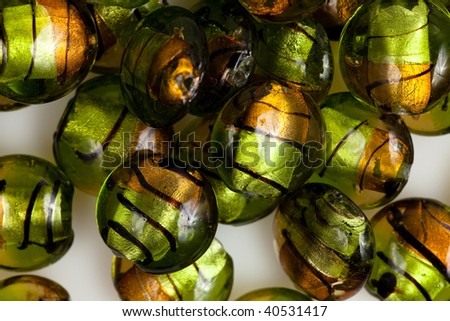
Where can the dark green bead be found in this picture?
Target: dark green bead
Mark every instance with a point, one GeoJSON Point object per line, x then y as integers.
{"type": "Point", "coordinates": [163, 66]}
{"type": "Point", "coordinates": [31, 288]}
{"type": "Point", "coordinates": [156, 213]}
{"type": "Point", "coordinates": [274, 294]}
{"type": "Point", "coordinates": [97, 133]}
{"type": "Point", "coordinates": [210, 278]}
{"type": "Point", "coordinates": [123, 3]}
{"type": "Point", "coordinates": [35, 213]}
{"type": "Point", "coordinates": [50, 48]}
{"type": "Point", "coordinates": [368, 154]}
{"type": "Point", "coordinates": [412, 245]}
{"type": "Point", "coordinates": [324, 241]}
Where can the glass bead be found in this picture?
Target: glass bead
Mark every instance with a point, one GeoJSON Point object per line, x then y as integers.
{"type": "Point", "coordinates": [36, 213]}
{"type": "Point", "coordinates": [399, 65]}
{"type": "Point", "coordinates": [298, 53]}
{"type": "Point", "coordinates": [156, 213]}
{"type": "Point", "coordinates": [412, 251]}
{"type": "Point", "coordinates": [324, 241]}
{"type": "Point", "coordinates": [163, 66]}
{"type": "Point", "coordinates": [210, 278]}
{"type": "Point", "coordinates": [50, 45]}
{"type": "Point", "coordinates": [270, 136]}
{"type": "Point", "coordinates": [232, 40]}
{"type": "Point", "coordinates": [123, 3]}
{"type": "Point", "coordinates": [368, 154]}
{"type": "Point", "coordinates": [273, 294]}
{"type": "Point", "coordinates": [281, 10]}
{"type": "Point", "coordinates": [31, 288]}
{"type": "Point", "coordinates": [97, 133]}
{"type": "Point", "coordinates": [7, 104]}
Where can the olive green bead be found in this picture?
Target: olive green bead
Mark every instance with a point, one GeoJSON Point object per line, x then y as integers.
{"type": "Point", "coordinates": [368, 155]}
{"type": "Point", "coordinates": [31, 288]}
{"type": "Point", "coordinates": [210, 278]}
{"type": "Point", "coordinates": [411, 255]}
{"type": "Point", "coordinates": [324, 242]}
{"type": "Point", "coordinates": [273, 294]}
{"type": "Point", "coordinates": [157, 213]}
{"type": "Point", "coordinates": [35, 213]}
{"type": "Point", "coordinates": [97, 133]}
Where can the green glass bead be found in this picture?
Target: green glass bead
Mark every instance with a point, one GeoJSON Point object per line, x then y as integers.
{"type": "Point", "coordinates": [97, 133]}
{"type": "Point", "coordinates": [324, 241]}
{"type": "Point", "coordinates": [412, 244]}
{"type": "Point", "coordinates": [193, 148]}
{"type": "Point", "coordinates": [368, 154]}
{"type": "Point", "coordinates": [270, 136]}
{"type": "Point", "coordinates": [210, 278]}
{"type": "Point", "coordinates": [50, 46]}
{"type": "Point", "coordinates": [156, 213]}
{"type": "Point", "coordinates": [163, 66]}
{"type": "Point", "coordinates": [35, 213]}
{"type": "Point", "coordinates": [273, 294]}
{"type": "Point", "coordinates": [7, 104]}
{"type": "Point", "coordinates": [281, 10]}
{"type": "Point", "coordinates": [399, 65]}
{"type": "Point", "coordinates": [31, 288]}
{"type": "Point", "coordinates": [232, 40]}
{"type": "Point", "coordinates": [299, 53]}
{"type": "Point", "coordinates": [122, 3]}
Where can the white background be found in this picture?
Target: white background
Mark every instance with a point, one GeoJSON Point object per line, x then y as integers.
{"type": "Point", "coordinates": [85, 271]}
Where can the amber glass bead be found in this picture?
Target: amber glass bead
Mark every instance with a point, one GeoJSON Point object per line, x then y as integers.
{"type": "Point", "coordinates": [210, 278]}
{"type": "Point", "coordinates": [274, 294]}
{"type": "Point", "coordinates": [31, 288]}
{"type": "Point", "coordinates": [232, 42]}
{"type": "Point", "coordinates": [298, 53]}
{"type": "Point", "coordinates": [35, 213]}
{"type": "Point", "coordinates": [97, 133]}
{"type": "Point", "coordinates": [50, 46]}
{"type": "Point", "coordinates": [156, 213]}
{"type": "Point", "coordinates": [324, 241]}
{"type": "Point", "coordinates": [412, 244]}
{"type": "Point", "coordinates": [399, 65]}
{"type": "Point", "coordinates": [368, 154]}
{"type": "Point", "coordinates": [163, 66]}
{"type": "Point", "coordinates": [281, 10]}
{"type": "Point", "coordinates": [269, 137]}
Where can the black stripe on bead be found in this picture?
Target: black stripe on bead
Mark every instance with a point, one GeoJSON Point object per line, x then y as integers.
{"type": "Point", "coordinates": [361, 181]}
{"type": "Point", "coordinates": [33, 23]}
{"type": "Point", "coordinates": [379, 83]}
{"type": "Point", "coordinates": [180, 297]}
{"type": "Point", "coordinates": [51, 208]}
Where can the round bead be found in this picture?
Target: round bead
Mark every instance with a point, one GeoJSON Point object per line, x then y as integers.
{"type": "Point", "coordinates": [281, 10]}
{"type": "Point", "coordinates": [31, 288]}
{"type": "Point", "coordinates": [50, 47]}
{"type": "Point", "coordinates": [163, 66]}
{"type": "Point", "coordinates": [399, 65]}
{"type": "Point", "coordinates": [97, 133]}
{"type": "Point", "coordinates": [412, 244]}
{"type": "Point", "coordinates": [368, 154]}
{"type": "Point", "coordinates": [299, 53]}
{"type": "Point", "coordinates": [274, 294]}
{"type": "Point", "coordinates": [269, 137]}
{"type": "Point", "coordinates": [35, 213]}
{"type": "Point", "coordinates": [324, 241]}
{"type": "Point", "coordinates": [210, 278]}
{"type": "Point", "coordinates": [231, 37]}
{"type": "Point", "coordinates": [156, 213]}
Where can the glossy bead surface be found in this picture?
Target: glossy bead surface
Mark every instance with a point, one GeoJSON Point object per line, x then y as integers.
{"type": "Point", "coordinates": [50, 48]}
{"type": "Point", "coordinates": [163, 66]}
{"type": "Point", "coordinates": [273, 294]}
{"type": "Point", "coordinates": [281, 10]}
{"type": "Point", "coordinates": [7, 104]}
{"type": "Point", "coordinates": [97, 133]}
{"type": "Point", "coordinates": [298, 53]}
{"type": "Point", "coordinates": [158, 214]}
{"type": "Point", "coordinates": [324, 241]}
{"type": "Point", "coordinates": [210, 278]}
{"type": "Point", "coordinates": [399, 65]}
{"type": "Point", "coordinates": [122, 3]}
{"type": "Point", "coordinates": [36, 213]}
{"type": "Point", "coordinates": [368, 154]}
{"type": "Point", "coordinates": [31, 288]}
{"type": "Point", "coordinates": [232, 41]}
{"type": "Point", "coordinates": [268, 135]}
{"type": "Point", "coordinates": [412, 250]}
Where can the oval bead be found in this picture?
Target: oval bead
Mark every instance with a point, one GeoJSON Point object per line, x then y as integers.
{"type": "Point", "coordinates": [31, 288]}
{"type": "Point", "coordinates": [273, 294]}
